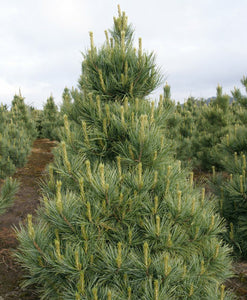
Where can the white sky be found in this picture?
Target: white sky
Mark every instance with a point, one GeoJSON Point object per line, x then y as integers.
{"type": "Point", "coordinates": [198, 43]}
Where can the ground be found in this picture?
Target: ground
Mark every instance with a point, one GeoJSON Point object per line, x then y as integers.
{"type": "Point", "coordinates": [26, 202]}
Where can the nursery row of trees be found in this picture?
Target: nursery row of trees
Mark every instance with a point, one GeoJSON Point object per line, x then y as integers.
{"type": "Point", "coordinates": [213, 137]}
{"type": "Point", "coordinates": [121, 216]}
{"type": "Point", "coordinates": [17, 132]}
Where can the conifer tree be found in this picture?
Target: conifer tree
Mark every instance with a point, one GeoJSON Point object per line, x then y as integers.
{"type": "Point", "coordinates": [120, 218]}
{"type": "Point", "coordinates": [51, 120]}
{"type": "Point", "coordinates": [232, 191]}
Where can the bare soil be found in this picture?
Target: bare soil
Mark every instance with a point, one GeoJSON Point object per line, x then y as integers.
{"type": "Point", "coordinates": [26, 202]}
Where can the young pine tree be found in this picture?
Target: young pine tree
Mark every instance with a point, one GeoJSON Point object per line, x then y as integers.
{"type": "Point", "coordinates": [120, 218]}
{"type": "Point", "coordinates": [232, 191]}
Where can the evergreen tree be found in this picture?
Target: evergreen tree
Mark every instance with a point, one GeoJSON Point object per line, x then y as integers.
{"type": "Point", "coordinates": [232, 190]}
{"type": "Point", "coordinates": [51, 120]}
{"type": "Point", "coordinates": [120, 219]}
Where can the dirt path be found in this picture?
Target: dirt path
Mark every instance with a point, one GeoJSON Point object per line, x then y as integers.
{"type": "Point", "coordinates": [26, 202]}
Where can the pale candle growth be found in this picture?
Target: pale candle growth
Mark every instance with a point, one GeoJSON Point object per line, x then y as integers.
{"type": "Point", "coordinates": [244, 161]}
{"type": "Point", "coordinates": [212, 222]}
{"type": "Point", "coordinates": [130, 236]}
{"type": "Point", "coordinates": [59, 203]}
{"type": "Point", "coordinates": [156, 290]}
{"type": "Point", "coordinates": [231, 179]}
{"type": "Point", "coordinates": [160, 104]}
{"type": "Point", "coordinates": [123, 41]}
{"type": "Point", "coordinates": [66, 126]}
{"type": "Point", "coordinates": [167, 268]}
{"type": "Point", "coordinates": [203, 195]}
{"type": "Point", "coordinates": [184, 271]}
{"type": "Point", "coordinates": [169, 240]}
{"type": "Point", "coordinates": [156, 203]}
{"type": "Point", "coordinates": [84, 128]}
{"type": "Point", "coordinates": [126, 104]}
{"type": "Point", "coordinates": [51, 177]}
{"type": "Point", "coordinates": [89, 215]}
{"type": "Point", "coordinates": [126, 70]}
{"type": "Point", "coordinates": [107, 109]}
{"type": "Point", "coordinates": [77, 260]}
{"type": "Point", "coordinates": [191, 290]}
{"type": "Point", "coordinates": [196, 233]}
{"type": "Point", "coordinates": [140, 48]}
{"type": "Point", "coordinates": [88, 168]}
{"type": "Point", "coordinates": [193, 206]}
{"type": "Point", "coordinates": [101, 81]}
{"type": "Point", "coordinates": [213, 170]}
{"type": "Point", "coordinates": [155, 179]}
{"type": "Point", "coordinates": [58, 252]}
{"type": "Point", "coordinates": [129, 293]}
{"type": "Point", "coordinates": [142, 130]}
{"type": "Point", "coordinates": [109, 295]}
{"type": "Point", "coordinates": [202, 267]}
{"type": "Point", "coordinates": [152, 112]}
{"type": "Point", "coordinates": [98, 100]}
{"type": "Point", "coordinates": [112, 42]}
{"type": "Point", "coordinates": [45, 199]}
{"type": "Point", "coordinates": [167, 186]}
{"type": "Point", "coordinates": [140, 174]}
{"type": "Point", "coordinates": [65, 157]}
{"type": "Point", "coordinates": [131, 152]}
{"type": "Point", "coordinates": [91, 41]}
{"type": "Point", "coordinates": [119, 11]}
{"type": "Point", "coordinates": [119, 166]}
{"type": "Point", "coordinates": [179, 195]}
{"type": "Point", "coordinates": [216, 251]}
{"type": "Point", "coordinates": [122, 115]}
{"type": "Point", "coordinates": [155, 155]}
{"type": "Point", "coordinates": [131, 89]}
{"type": "Point", "coordinates": [95, 293]}
{"type": "Point", "coordinates": [120, 198]}
{"type": "Point", "coordinates": [145, 251]}
{"type": "Point", "coordinates": [119, 256]}
{"type": "Point", "coordinates": [241, 184]}
{"type": "Point", "coordinates": [91, 259]}
{"type": "Point", "coordinates": [235, 157]}
{"type": "Point", "coordinates": [136, 103]}
{"type": "Point", "coordinates": [102, 175]}
{"type": "Point", "coordinates": [107, 39]}
{"type": "Point", "coordinates": [30, 226]}
{"type": "Point", "coordinates": [82, 282]}
{"type": "Point", "coordinates": [222, 292]}
{"type": "Point", "coordinates": [191, 178]}
{"type": "Point", "coordinates": [179, 165]}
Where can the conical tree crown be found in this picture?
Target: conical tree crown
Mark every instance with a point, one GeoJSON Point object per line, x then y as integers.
{"type": "Point", "coordinates": [120, 218]}
{"type": "Point", "coordinates": [117, 70]}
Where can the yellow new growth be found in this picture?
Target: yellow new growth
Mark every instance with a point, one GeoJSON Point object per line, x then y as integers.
{"type": "Point", "coordinates": [30, 226]}
{"type": "Point", "coordinates": [59, 203]}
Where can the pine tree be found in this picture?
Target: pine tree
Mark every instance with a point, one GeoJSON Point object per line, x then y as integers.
{"type": "Point", "coordinates": [232, 190]}
{"type": "Point", "coordinates": [120, 218]}
{"type": "Point", "coordinates": [51, 120]}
